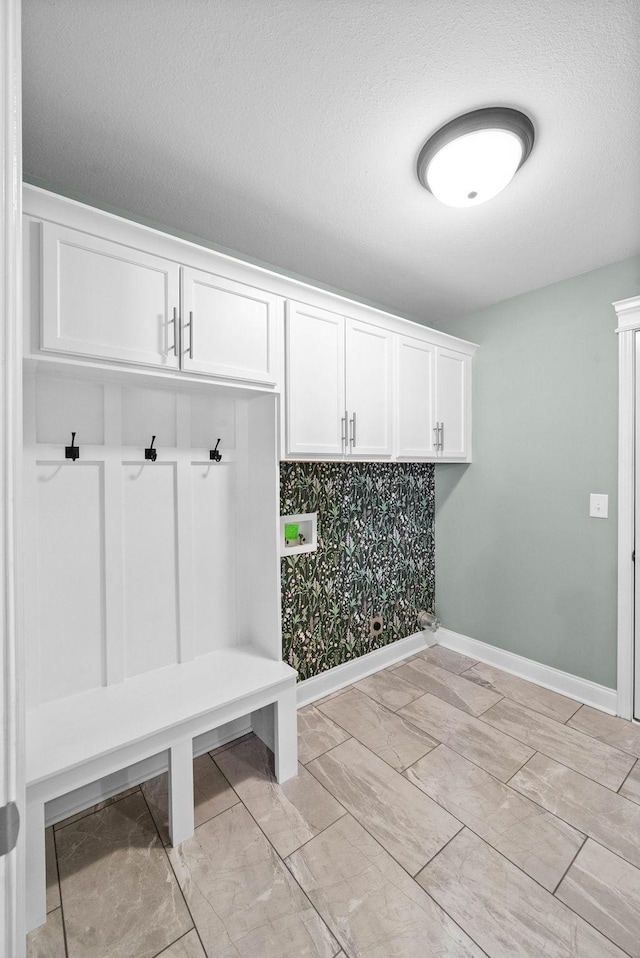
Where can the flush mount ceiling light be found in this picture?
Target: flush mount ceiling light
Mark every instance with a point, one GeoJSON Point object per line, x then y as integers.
{"type": "Point", "coordinates": [473, 158]}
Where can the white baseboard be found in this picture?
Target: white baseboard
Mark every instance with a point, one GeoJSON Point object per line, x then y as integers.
{"type": "Point", "coordinates": [349, 672]}
{"type": "Point", "coordinates": [589, 693]}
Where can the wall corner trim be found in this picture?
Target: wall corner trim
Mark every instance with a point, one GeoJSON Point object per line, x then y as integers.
{"type": "Point", "coordinates": [347, 673]}
{"type": "Point", "coordinates": [574, 687]}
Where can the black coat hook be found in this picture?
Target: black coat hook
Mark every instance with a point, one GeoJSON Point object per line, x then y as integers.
{"type": "Point", "coordinates": [150, 452]}
{"type": "Point", "coordinates": [214, 454]}
{"type": "Point", "coordinates": [72, 451]}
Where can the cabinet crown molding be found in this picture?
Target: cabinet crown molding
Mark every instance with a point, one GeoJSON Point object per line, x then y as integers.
{"type": "Point", "coordinates": [41, 204]}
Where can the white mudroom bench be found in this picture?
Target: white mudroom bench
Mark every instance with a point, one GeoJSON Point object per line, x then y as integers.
{"type": "Point", "coordinates": [81, 739]}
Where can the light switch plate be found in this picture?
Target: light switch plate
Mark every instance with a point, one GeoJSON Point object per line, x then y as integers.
{"type": "Point", "coordinates": [599, 505]}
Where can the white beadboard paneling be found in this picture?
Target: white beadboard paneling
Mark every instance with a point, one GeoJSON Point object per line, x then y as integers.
{"type": "Point", "coordinates": [146, 413]}
{"type": "Point", "coordinates": [149, 566]}
{"type": "Point", "coordinates": [212, 419]}
{"type": "Point", "coordinates": [214, 555]}
{"type": "Point", "coordinates": [64, 406]}
{"type": "Point", "coordinates": [70, 577]}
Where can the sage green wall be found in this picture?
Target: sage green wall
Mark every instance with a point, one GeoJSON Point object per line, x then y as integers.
{"type": "Point", "coordinates": [519, 563]}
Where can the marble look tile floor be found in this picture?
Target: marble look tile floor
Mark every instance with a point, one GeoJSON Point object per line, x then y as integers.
{"type": "Point", "coordinates": [443, 808]}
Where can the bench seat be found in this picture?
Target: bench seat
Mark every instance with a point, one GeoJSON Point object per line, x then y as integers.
{"type": "Point", "coordinates": [80, 739]}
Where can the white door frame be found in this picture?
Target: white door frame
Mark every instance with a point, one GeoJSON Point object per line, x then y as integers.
{"type": "Point", "coordinates": [12, 939]}
{"type": "Point", "coordinates": [628, 313]}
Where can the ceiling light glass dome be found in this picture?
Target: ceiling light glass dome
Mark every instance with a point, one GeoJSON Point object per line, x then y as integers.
{"type": "Point", "coordinates": [472, 158]}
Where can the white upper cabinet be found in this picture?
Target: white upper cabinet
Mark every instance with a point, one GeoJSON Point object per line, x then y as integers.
{"type": "Point", "coordinates": [369, 369]}
{"type": "Point", "coordinates": [415, 405]}
{"type": "Point", "coordinates": [103, 299]}
{"type": "Point", "coordinates": [338, 385]}
{"type": "Point", "coordinates": [356, 383]}
{"type": "Point", "coordinates": [433, 415]}
{"type": "Point", "coordinates": [229, 328]}
{"type": "Point", "coordinates": [315, 387]}
{"type": "Point", "coordinates": [106, 300]}
{"type": "Point", "coordinates": [453, 403]}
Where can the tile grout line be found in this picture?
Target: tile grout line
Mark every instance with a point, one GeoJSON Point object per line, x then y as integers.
{"type": "Point", "coordinates": [320, 754]}
{"type": "Point", "coordinates": [382, 704]}
{"type": "Point", "coordinates": [636, 764]}
{"type": "Point", "coordinates": [283, 860]}
{"type": "Point", "coordinates": [394, 859]}
{"type": "Point", "coordinates": [402, 773]}
{"type": "Point", "coordinates": [490, 845]}
{"type": "Point", "coordinates": [579, 703]}
{"type": "Point", "coordinates": [371, 835]}
{"type": "Point", "coordinates": [470, 761]}
{"type": "Point", "coordinates": [480, 838]}
{"type": "Point", "coordinates": [586, 920]}
{"type": "Point", "coordinates": [501, 699]}
{"type": "Point", "coordinates": [475, 685]}
{"type": "Point", "coordinates": [267, 839]}
{"type": "Point", "coordinates": [553, 894]}
{"type": "Point", "coordinates": [173, 872]}
{"type": "Point", "coordinates": [559, 817]}
{"type": "Point", "coordinates": [566, 871]}
{"type": "Point", "coordinates": [64, 924]}
{"type": "Point", "coordinates": [600, 741]}
{"type": "Point", "coordinates": [585, 735]}
{"type": "Point", "coordinates": [181, 938]}
{"type": "Point", "coordinates": [453, 749]}
{"type": "Point", "coordinates": [573, 714]}
{"type": "Point", "coordinates": [360, 742]}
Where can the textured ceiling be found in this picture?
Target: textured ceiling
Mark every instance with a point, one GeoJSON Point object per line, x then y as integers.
{"type": "Point", "coordinates": [288, 130]}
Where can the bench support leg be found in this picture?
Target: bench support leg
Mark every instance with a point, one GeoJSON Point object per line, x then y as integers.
{"type": "Point", "coordinates": [285, 733]}
{"type": "Point", "coordinates": [35, 866]}
{"type": "Point", "coordinates": [181, 791]}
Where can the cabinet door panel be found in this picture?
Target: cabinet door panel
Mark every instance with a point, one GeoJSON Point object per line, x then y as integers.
{"type": "Point", "coordinates": [106, 300]}
{"type": "Point", "coordinates": [416, 399]}
{"type": "Point", "coordinates": [232, 331]}
{"type": "Point", "coordinates": [368, 378]}
{"type": "Point", "coordinates": [315, 381]}
{"type": "Point", "coordinates": [452, 400]}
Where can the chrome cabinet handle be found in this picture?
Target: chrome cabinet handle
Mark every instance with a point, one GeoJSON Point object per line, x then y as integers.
{"type": "Point", "coordinates": [353, 431]}
{"type": "Point", "coordinates": [189, 326]}
{"type": "Point", "coordinates": [343, 424]}
{"type": "Point", "coordinates": [441, 437]}
{"type": "Point", "coordinates": [174, 321]}
{"type": "Point", "coordinates": [436, 441]}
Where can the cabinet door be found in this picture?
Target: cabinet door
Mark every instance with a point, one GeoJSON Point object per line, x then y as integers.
{"type": "Point", "coordinates": [368, 383]}
{"type": "Point", "coordinates": [229, 329]}
{"type": "Point", "coordinates": [416, 399]}
{"type": "Point", "coordinates": [108, 301]}
{"type": "Point", "coordinates": [315, 407]}
{"type": "Point", "coordinates": [453, 380]}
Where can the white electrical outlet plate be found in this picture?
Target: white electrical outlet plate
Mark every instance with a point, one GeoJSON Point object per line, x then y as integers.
{"type": "Point", "coordinates": [599, 505]}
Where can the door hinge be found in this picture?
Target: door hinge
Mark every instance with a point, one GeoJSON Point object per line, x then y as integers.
{"type": "Point", "coordinates": [9, 828]}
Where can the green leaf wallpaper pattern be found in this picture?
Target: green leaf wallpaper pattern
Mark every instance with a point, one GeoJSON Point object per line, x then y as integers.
{"type": "Point", "coordinates": [375, 557]}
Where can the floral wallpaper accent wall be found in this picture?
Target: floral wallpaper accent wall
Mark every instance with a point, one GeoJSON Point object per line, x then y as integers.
{"type": "Point", "coordinates": [374, 567]}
